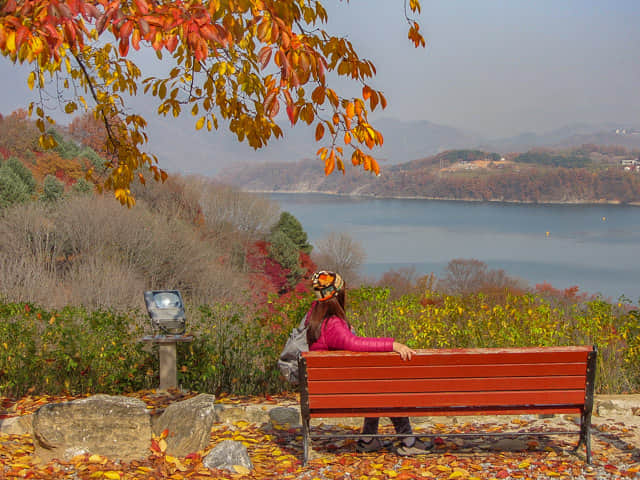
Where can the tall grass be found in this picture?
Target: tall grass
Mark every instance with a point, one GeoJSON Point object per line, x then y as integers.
{"type": "Point", "coordinates": [90, 251]}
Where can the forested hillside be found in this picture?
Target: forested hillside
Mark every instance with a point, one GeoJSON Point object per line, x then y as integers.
{"type": "Point", "coordinates": [588, 174]}
{"type": "Point", "coordinates": [63, 243]}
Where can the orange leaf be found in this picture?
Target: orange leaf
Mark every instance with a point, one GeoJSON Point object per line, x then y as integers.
{"type": "Point", "coordinates": [319, 132]}
{"type": "Point", "coordinates": [350, 111]}
{"type": "Point", "coordinates": [374, 166]}
{"type": "Point", "coordinates": [383, 101]}
{"type": "Point", "coordinates": [135, 39]}
{"type": "Point", "coordinates": [330, 164]}
{"type": "Point", "coordinates": [373, 101]}
{"type": "Point", "coordinates": [317, 96]}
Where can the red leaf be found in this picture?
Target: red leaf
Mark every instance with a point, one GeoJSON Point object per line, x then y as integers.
{"type": "Point", "coordinates": [264, 56]}
{"type": "Point", "coordinates": [144, 26]}
{"type": "Point", "coordinates": [210, 33]}
{"type": "Point", "coordinates": [142, 6]}
{"type": "Point", "coordinates": [10, 6]}
{"type": "Point", "coordinates": [101, 23]}
{"type": "Point", "coordinates": [171, 43]}
{"type": "Point", "coordinates": [126, 29]}
{"type": "Point", "coordinates": [291, 113]}
{"type": "Point", "coordinates": [123, 48]}
{"type": "Point", "coordinates": [21, 34]}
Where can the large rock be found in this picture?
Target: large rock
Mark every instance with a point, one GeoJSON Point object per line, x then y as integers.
{"type": "Point", "coordinates": [16, 425]}
{"type": "Point", "coordinates": [116, 427]}
{"type": "Point", "coordinates": [188, 423]}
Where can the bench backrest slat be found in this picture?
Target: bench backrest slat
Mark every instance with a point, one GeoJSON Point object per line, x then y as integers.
{"type": "Point", "coordinates": [448, 385]}
{"type": "Point", "coordinates": [417, 372]}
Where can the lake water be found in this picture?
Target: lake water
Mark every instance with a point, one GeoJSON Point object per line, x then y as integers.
{"type": "Point", "coordinates": [596, 247]}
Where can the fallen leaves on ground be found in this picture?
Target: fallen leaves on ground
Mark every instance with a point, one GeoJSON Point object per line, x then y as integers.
{"type": "Point", "coordinates": [277, 453]}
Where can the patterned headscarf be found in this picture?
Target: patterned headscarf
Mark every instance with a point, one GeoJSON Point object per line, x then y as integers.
{"type": "Point", "coordinates": [326, 284]}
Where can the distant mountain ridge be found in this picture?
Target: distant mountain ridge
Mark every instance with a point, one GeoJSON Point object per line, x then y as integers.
{"type": "Point", "coordinates": [181, 148]}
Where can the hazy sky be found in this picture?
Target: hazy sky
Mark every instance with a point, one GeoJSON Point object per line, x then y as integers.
{"type": "Point", "coordinates": [495, 67]}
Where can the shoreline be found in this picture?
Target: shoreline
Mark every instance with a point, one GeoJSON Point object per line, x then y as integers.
{"type": "Point", "coordinates": [442, 199]}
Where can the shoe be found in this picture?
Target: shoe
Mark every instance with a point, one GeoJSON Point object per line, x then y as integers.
{"type": "Point", "coordinates": [418, 448]}
{"type": "Point", "coordinates": [372, 446]}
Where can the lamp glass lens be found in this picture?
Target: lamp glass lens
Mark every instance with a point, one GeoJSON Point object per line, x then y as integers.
{"type": "Point", "coordinates": [167, 300]}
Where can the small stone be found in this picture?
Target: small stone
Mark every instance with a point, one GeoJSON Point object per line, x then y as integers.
{"type": "Point", "coordinates": [227, 455]}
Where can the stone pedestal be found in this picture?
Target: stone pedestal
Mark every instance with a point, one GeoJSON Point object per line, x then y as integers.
{"type": "Point", "coordinates": [167, 352]}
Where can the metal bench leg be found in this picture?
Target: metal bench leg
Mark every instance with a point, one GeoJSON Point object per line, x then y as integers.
{"type": "Point", "coordinates": [585, 417]}
{"type": "Point", "coordinates": [306, 440]}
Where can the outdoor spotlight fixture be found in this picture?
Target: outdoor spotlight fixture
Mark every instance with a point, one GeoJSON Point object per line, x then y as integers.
{"type": "Point", "coordinates": [166, 310]}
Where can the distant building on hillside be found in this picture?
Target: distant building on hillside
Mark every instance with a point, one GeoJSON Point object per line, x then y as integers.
{"type": "Point", "coordinates": [627, 131]}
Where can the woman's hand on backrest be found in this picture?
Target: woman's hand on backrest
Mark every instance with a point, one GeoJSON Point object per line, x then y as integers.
{"type": "Point", "coordinates": [405, 352]}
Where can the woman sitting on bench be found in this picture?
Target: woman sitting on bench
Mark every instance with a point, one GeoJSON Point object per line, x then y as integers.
{"type": "Point", "coordinates": [329, 329]}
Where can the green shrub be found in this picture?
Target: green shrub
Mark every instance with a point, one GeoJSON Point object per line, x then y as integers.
{"type": "Point", "coordinates": [235, 347]}
{"type": "Point", "coordinates": [235, 351]}
{"type": "Point", "coordinates": [70, 351]}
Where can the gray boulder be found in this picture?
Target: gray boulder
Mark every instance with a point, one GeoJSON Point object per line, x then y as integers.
{"type": "Point", "coordinates": [228, 455]}
{"type": "Point", "coordinates": [284, 416]}
{"type": "Point", "coordinates": [112, 426]}
{"type": "Point", "coordinates": [189, 424]}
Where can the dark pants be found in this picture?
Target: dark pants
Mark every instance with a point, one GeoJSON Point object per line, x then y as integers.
{"type": "Point", "coordinates": [401, 424]}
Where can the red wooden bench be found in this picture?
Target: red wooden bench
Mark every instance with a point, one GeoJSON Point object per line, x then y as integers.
{"type": "Point", "coordinates": [482, 381]}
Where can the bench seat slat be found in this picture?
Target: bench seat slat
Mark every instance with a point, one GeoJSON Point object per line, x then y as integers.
{"type": "Point", "coordinates": [477, 356]}
{"type": "Point", "coordinates": [411, 371]}
{"type": "Point", "coordinates": [448, 399]}
{"type": "Point", "coordinates": [448, 385]}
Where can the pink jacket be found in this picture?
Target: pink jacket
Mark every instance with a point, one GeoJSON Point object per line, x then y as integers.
{"type": "Point", "coordinates": [336, 335]}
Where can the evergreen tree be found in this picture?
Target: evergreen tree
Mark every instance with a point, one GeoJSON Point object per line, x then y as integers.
{"type": "Point", "coordinates": [53, 189]}
{"type": "Point", "coordinates": [287, 254]}
{"type": "Point", "coordinates": [90, 154]}
{"type": "Point", "coordinates": [66, 149]}
{"type": "Point", "coordinates": [12, 188]}
{"type": "Point", "coordinates": [82, 187]}
{"type": "Point", "coordinates": [22, 172]}
{"type": "Point", "coordinates": [292, 228]}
